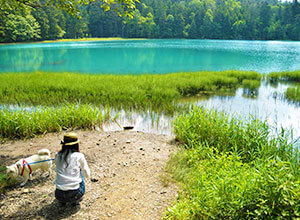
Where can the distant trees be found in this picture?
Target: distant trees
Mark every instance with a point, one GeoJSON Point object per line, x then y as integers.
{"type": "Point", "coordinates": [201, 19]}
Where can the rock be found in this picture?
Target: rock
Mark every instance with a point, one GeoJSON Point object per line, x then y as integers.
{"type": "Point", "coordinates": [94, 180]}
{"type": "Point", "coordinates": [128, 127]}
{"type": "Point", "coordinates": [26, 191]}
{"type": "Point", "coordinates": [128, 142]}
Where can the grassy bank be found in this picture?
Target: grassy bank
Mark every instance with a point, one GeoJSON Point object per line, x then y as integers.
{"type": "Point", "coordinates": [120, 91]}
{"type": "Point", "coordinates": [233, 169]}
{"type": "Point", "coordinates": [24, 123]}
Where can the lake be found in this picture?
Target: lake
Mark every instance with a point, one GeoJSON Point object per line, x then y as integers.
{"type": "Point", "coordinates": [164, 56]}
{"type": "Point", "coordinates": [151, 56]}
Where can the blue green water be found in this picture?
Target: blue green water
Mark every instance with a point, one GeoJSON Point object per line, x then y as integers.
{"type": "Point", "coordinates": [151, 56]}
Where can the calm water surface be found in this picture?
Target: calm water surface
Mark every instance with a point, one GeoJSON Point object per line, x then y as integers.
{"type": "Point", "coordinates": [151, 56]}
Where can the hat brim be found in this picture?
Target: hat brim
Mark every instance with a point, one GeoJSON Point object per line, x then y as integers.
{"type": "Point", "coordinates": [71, 143]}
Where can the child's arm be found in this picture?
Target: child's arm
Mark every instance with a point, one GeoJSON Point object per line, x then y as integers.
{"type": "Point", "coordinates": [84, 167]}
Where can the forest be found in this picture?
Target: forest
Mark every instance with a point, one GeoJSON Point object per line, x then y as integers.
{"type": "Point", "coordinates": [193, 19]}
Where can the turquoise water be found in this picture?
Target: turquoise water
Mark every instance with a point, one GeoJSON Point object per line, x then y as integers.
{"type": "Point", "coordinates": [151, 56]}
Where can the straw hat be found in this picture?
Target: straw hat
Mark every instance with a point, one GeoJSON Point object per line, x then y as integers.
{"type": "Point", "coordinates": [70, 138]}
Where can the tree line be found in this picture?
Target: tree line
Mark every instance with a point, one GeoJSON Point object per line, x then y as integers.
{"type": "Point", "coordinates": [196, 19]}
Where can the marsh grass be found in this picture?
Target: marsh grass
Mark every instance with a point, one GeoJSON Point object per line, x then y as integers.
{"type": "Point", "coordinates": [231, 168]}
{"type": "Point", "coordinates": [23, 123]}
{"type": "Point", "coordinates": [284, 76]}
{"type": "Point", "coordinates": [147, 91]}
{"type": "Point", "coordinates": [293, 94]}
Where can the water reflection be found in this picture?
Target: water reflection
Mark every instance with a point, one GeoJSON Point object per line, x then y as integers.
{"type": "Point", "coordinates": [277, 111]}
{"type": "Point", "coordinates": [149, 122]}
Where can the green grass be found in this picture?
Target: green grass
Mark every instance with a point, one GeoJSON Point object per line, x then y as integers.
{"type": "Point", "coordinates": [251, 84]}
{"type": "Point", "coordinates": [285, 76]}
{"type": "Point", "coordinates": [25, 123]}
{"type": "Point", "coordinates": [233, 169]}
{"type": "Point", "coordinates": [293, 94]}
{"type": "Point", "coordinates": [146, 91]}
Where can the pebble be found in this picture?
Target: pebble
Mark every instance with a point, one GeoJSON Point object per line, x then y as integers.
{"type": "Point", "coordinates": [26, 191]}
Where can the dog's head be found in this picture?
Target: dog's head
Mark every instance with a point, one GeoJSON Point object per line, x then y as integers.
{"type": "Point", "coordinates": [12, 171]}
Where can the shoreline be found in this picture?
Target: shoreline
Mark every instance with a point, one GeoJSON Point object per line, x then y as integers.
{"type": "Point", "coordinates": [74, 40]}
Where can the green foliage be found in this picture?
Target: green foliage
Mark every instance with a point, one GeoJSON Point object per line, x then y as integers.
{"type": "Point", "coordinates": [24, 123]}
{"type": "Point", "coordinates": [251, 84]}
{"type": "Point", "coordinates": [122, 7]}
{"type": "Point", "coordinates": [223, 187]}
{"type": "Point", "coordinates": [18, 28]}
{"type": "Point", "coordinates": [149, 90]}
{"type": "Point", "coordinates": [249, 139]}
{"type": "Point", "coordinates": [293, 94]}
{"type": "Point", "coordinates": [209, 19]}
{"type": "Point", "coordinates": [233, 169]}
{"type": "Point", "coordinates": [285, 76]}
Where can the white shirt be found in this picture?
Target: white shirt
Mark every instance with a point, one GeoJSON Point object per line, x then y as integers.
{"type": "Point", "coordinates": [69, 177]}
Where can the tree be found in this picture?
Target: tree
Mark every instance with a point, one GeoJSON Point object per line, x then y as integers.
{"type": "Point", "coordinates": [122, 7]}
{"type": "Point", "coordinates": [19, 28]}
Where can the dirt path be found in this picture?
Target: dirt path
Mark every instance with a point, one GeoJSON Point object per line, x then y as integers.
{"type": "Point", "coordinates": [127, 168]}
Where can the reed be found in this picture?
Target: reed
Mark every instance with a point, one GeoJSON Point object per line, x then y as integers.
{"type": "Point", "coordinates": [231, 168]}
{"type": "Point", "coordinates": [146, 91]}
{"type": "Point", "coordinates": [251, 84]}
{"type": "Point", "coordinates": [285, 76]}
{"type": "Point", "coordinates": [293, 94]}
{"type": "Point", "coordinates": [24, 123]}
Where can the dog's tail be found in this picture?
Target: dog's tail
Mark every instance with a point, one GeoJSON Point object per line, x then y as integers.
{"type": "Point", "coordinates": [44, 152]}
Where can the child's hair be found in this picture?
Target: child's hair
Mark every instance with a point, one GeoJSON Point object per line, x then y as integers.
{"type": "Point", "coordinates": [66, 150]}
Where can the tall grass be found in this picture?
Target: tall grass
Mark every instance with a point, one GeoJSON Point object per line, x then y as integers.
{"type": "Point", "coordinates": [285, 76]}
{"type": "Point", "coordinates": [24, 124]}
{"type": "Point", "coordinates": [118, 91]}
{"type": "Point", "coordinates": [293, 94]}
{"type": "Point", "coordinates": [233, 169]}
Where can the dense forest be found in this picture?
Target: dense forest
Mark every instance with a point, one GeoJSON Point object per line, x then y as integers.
{"type": "Point", "coordinates": [201, 19]}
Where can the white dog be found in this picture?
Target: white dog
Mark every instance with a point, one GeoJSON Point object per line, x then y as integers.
{"type": "Point", "coordinates": [26, 166]}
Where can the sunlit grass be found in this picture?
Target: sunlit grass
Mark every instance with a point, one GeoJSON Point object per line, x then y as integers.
{"type": "Point", "coordinates": [146, 91]}
{"type": "Point", "coordinates": [23, 123]}
{"type": "Point", "coordinates": [284, 76]}
{"type": "Point", "coordinates": [293, 94]}
{"type": "Point", "coordinates": [231, 168]}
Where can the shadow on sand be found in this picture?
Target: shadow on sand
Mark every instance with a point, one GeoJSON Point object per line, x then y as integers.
{"type": "Point", "coordinates": [50, 211]}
